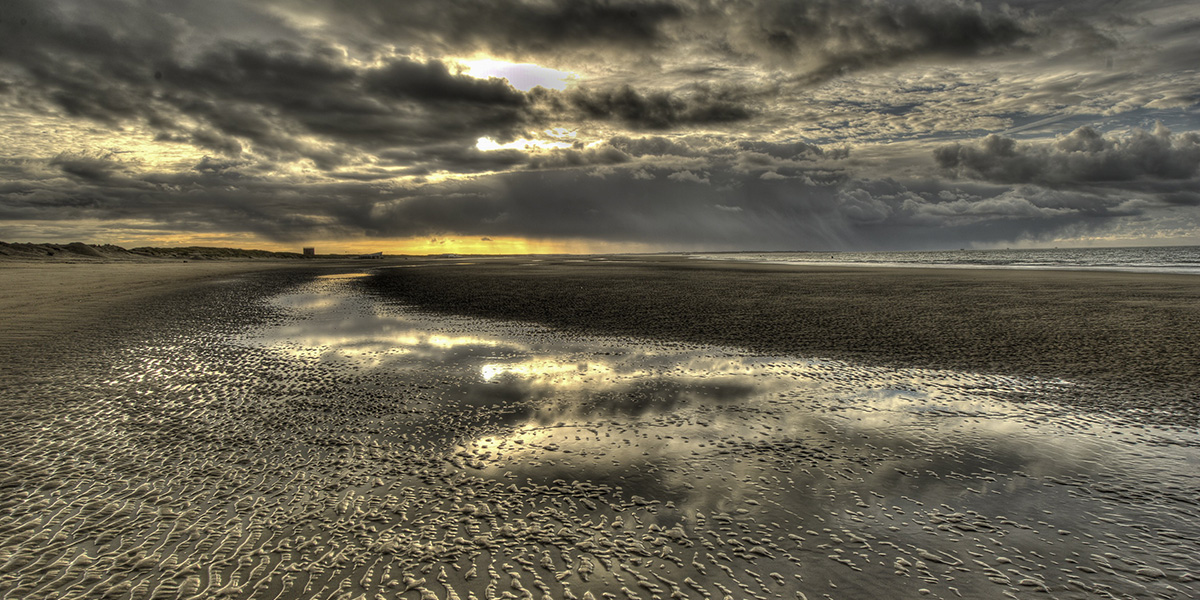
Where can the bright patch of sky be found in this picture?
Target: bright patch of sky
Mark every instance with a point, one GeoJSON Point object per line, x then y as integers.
{"type": "Point", "coordinates": [487, 144]}
{"type": "Point", "coordinates": [522, 76]}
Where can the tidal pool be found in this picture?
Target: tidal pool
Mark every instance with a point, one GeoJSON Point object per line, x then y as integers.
{"type": "Point", "coordinates": [359, 449]}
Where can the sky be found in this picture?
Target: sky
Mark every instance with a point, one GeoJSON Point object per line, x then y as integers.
{"type": "Point", "coordinates": [514, 126]}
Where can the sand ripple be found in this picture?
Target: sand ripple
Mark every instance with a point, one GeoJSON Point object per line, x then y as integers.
{"type": "Point", "coordinates": [355, 451]}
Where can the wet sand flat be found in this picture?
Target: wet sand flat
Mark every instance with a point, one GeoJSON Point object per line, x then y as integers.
{"type": "Point", "coordinates": [294, 434]}
{"type": "Point", "coordinates": [51, 310]}
{"type": "Point", "coordinates": [1137, 334]}
{"type": "Point", "coordinates": [43, 298]}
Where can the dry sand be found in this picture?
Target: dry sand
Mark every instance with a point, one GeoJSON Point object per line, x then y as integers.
{"type": "Point", "coordinates": [1136, 334]}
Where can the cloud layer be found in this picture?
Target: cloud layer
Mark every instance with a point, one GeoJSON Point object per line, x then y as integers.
{"type": "Point", "coordinates": [1083, 156]}
{"type": "Point", "coordinates": [722, 124]}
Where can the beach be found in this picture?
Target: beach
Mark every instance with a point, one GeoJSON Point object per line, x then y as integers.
{"type": "Point", "coordinates": [591, 428]}
{"type": "Point", "coordinates": [54, 308]}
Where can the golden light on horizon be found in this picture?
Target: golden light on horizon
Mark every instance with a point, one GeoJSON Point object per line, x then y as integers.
{"type": "Point", "coordinates": [417, 246]}
{"type": "Point", "coordinates": [501, 245]}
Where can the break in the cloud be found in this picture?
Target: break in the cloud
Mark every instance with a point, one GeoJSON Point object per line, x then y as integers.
{"type": "Point", "coordinates": [698, 124]}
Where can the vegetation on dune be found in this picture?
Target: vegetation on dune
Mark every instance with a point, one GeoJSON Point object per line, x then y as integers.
{"type": "Point", "coordinates": [76, 250]}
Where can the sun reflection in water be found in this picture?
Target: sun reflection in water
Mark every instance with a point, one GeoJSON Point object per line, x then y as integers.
{"type": "Point", "coordinates": [547, 371]}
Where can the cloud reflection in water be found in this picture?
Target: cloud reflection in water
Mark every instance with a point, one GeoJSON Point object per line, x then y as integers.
{"type": "Point", "coordinates": [712, 440]}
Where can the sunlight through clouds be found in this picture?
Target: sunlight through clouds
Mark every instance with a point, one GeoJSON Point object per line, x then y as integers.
{"type": "Point", "coordinates": [487, 144]}
{"type": "Point", "coordinates": [823, 124]}
{"type": "Point", "coordinates": [522, 76]}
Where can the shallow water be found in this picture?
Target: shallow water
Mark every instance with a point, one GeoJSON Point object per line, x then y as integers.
{"type": "Point", "coordinates": [1151, 259]}
{"type": "Point", "coordinates": [356, 448]}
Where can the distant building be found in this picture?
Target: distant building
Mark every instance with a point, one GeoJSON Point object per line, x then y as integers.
{"type": "Point", "coordinates": [372, 255]}
{"type": "Point", "coordinates": [310, 252]}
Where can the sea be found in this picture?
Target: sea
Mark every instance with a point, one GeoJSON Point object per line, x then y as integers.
{"type": "Point", "coordinates": [1161, 259]}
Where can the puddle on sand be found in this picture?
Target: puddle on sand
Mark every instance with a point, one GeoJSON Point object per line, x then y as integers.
{"type": "Point", "coordinates": [360, 449]}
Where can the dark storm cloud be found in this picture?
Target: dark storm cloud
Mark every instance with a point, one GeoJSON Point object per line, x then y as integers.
{"type": "Point", "coordinates": [617, 206]}
{"type": "Point", "coordinates": [745, 212]}
{"type": "Point", "coordinates": [624, 201]}
{"type": "Point", "coordinates": [128, 64]}
{"type": "Point", "coordinates": [568, 157]}
{"type": "Point", "coordinates": [433, 81]}
{"type": "Point", "coordinates": [272, 94]}
{"type": "Point", "coordinates": [891, 202]}
{"type": "Point", "coordinates": [216, 165]}
{"type": "Point", "coordinates": [93, 168]}
{"type": "Point", "coordinates": [1182, 198]}
{"type": "Point", "coordinates": [288, 99]}
{"type": "Point", "coordinates": [787, 150]}
{"type": "Point", "coordinates": [285, 98]}
{"type": "Point", "coordinates": [839, 35]}
{"type": "Point", "coordinates": [85, 68]}
{"type": "Point", "coordinates": [661, 109]}
{"type": "Point", "coordinates": [819, 38]}
{"type": "Point", "coordinates": [721, 147]}
{"type": "Point", "coordinates": [453, 158]}
{"type": "Point", "coordinates": [654, 152]}
{"type": "Point", "coordinates": [1081, 157]}
{"type": "Point", "coordinates": [731, 208]}
{"type": "Point", "coordinates": [504, 26]}
{"type": "Point", "coordinates": [213, 197]}
{"type": "Point", "coordinates": [653, 146]}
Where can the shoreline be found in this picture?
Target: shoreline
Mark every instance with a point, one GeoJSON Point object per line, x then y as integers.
{"type": "Point", "coordinates": [338, 425]}
{"type": "Point", "coordinates": [44, 297]}
{"type": "Point", "coordinates": [1183, 260]}
{"type": "Point", "coordinates": [1134, 335]}
{"type": "Point", "coordinates": [56, 312]}
{"type": "Point", "coordinates": [967, 266]}
{"type": "Point", "coordinates": [1132, 339]}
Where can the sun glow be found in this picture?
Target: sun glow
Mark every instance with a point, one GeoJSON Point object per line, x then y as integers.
{"type": "Point", "coordinates": [549, 370]}
{"type": "Point", "coordinates": [505, 245]}
{"type": "Point", "coordinates": [132, 234]}
{"type": "Point", "coordinates": [522, 76]}
{"type": "Point", "coordinates": [487, 144]}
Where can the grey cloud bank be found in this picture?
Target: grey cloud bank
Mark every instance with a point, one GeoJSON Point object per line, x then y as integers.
{"type": "Point", "coordinates": [1083, 156]}
{"type": "Point", "coordinates": [692, 125]}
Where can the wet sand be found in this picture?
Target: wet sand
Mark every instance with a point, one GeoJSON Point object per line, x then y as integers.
{"type": "Point", "coordinates": [1137, 335]}
{"type": "Point", "coordinates": [53, 309]}
{"type": "Point", "coordinates": [287, 435]}
{"type": "Point", "coordinates": [41, 299]}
